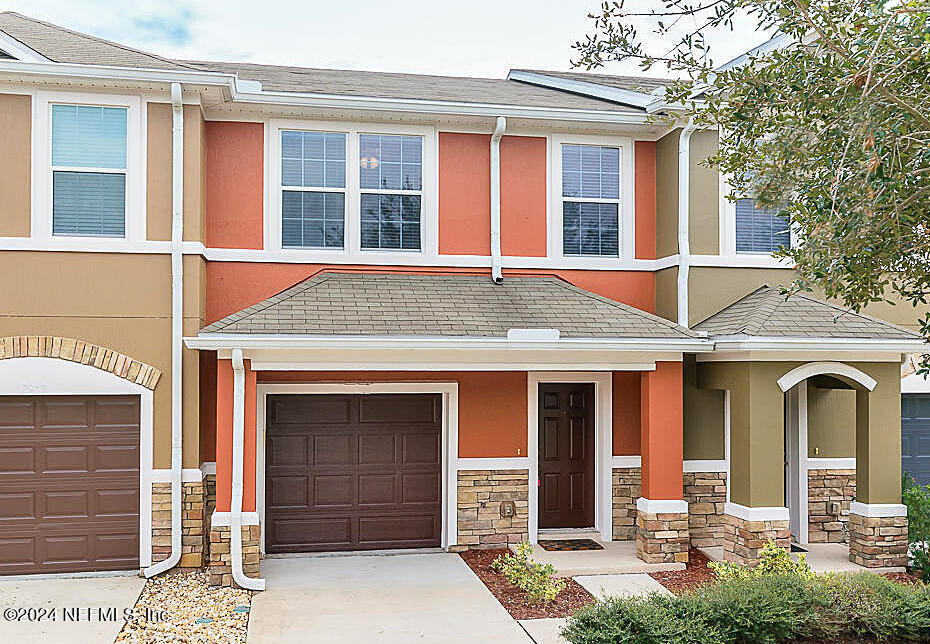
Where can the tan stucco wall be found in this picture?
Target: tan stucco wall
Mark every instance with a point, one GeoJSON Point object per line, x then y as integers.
{"type": "Point", "coordinates": [831, 423]}
{"type": "Point", "coordinates": [158, 172]}
{"type": "Point", "coordinates": [667, 293]}
{"type": "Point", "coordinates": [703, 417]}
{"type": "Point", "coordinates": [704, 202]}
{"type": "Point", "coordinates": [667, 195]}
{"type": "Point", "coordinates": [118, 301]}
{"type": "Point", "coordinates": [15, 150]}
{"type": "Point", "coordinates": [757, 444]}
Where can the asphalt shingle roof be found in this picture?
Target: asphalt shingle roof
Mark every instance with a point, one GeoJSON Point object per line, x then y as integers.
{"type": "Point", "coordinates": [768, 312]}
{"type": "Point", "coordinates": [643, 84]}
{"type": "Point", "coordinates": [333, 303]}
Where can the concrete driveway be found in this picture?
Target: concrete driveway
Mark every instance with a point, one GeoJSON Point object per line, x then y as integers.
{"type": "Point", "coordinates": [85, 609]}
{"type": "Point", "coordinates": [387, 598]}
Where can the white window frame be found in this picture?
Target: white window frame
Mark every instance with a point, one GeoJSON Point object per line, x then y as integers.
{"type": "Point", "coordinates": [352, 250]}
{"type": "Point", "coordinates": [626, 205]}
{"type": "Point", "coordinates": [727, 232]}
{"type": "Point", "coordinates": [42, 169]}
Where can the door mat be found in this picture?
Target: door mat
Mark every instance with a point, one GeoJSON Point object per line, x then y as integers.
{"type": "Point", "coordinates": [795, 548]}
{"type": "Point", "coordinates": [569, 544]}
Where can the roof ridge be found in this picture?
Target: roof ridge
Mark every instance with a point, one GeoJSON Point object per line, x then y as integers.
{"type": "Point", "coordinates": [95, 38]}
{"type": "Point", "coordinates": [590, 73]}
{"type": "Point", "coordinates": [624, 307]}
{"type": "Point", "coordinates": [765, 310]}
{"type": "Point", "coordinates": [269, 301]}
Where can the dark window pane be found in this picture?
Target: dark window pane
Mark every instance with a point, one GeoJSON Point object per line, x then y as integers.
{"type": "Point", "coordinates": [312, 219]}
{"type": "Point", "coordinates": [390, 222]}
{"type": "Point", "coordinates": [590, 171]}
{"type": "Point", "coordinates": [313, 159]}
{"type": "Point", "coordinates": [89, 204]}
{"type": "Point", "coordinates": [760, 230]}
{"type": "Point", "coordinates": [391, 162]}
{"type": "Point", "coordinates": [590, 229]}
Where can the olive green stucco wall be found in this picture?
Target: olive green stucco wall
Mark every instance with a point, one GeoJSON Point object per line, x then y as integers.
{"type": "Point", "coordinates": [667, 195]}
{"type": "Point", "coordinates": [667, 293]}
{"type": "Point", "coordinates": [831, 423]}
{"type": "Point", "coordinates": [757, 437]}
{"type": "Point", "coordinates": [703, 418]}
{"type": "Point", "coordinates": [704, 201]}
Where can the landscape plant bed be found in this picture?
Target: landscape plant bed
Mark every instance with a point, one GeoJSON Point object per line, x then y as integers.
{"type": "Point", "coordinates": [695, 575]}
{"type": "Point", "coordinates": [573, 597]}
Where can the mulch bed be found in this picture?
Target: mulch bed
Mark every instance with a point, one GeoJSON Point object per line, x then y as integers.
{"type": "Point", "coordinates": [902, 577]}
{"type": "Point", "coordinates": [695, 575]}
{"type": "Point", "coordinates": [573, 597]}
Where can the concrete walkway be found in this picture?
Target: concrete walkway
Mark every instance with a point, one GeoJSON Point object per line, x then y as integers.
{"type": "Point", "coordinates": [111, 595]}
{"type": "Point", "coordinates": [396, 598]}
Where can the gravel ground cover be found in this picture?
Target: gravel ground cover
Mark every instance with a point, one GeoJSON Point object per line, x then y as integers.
{"type": "Point", "coordinates": [191, 611]}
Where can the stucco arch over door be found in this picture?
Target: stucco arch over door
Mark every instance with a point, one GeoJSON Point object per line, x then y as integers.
{"type": "Point", "coordinates": [852, 376]}
{"type": "Point", "coordinates": [72, 350]}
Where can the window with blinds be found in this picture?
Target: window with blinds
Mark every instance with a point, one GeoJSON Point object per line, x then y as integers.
{"type": "Point", "coordinates": [391, 184]}
{"type": "Point", "coordinates": [760, 230]}
{"type": "Point", "coordinates": [313, 197]}
{"type": "Point", "coordinates": [590, 200]}
{"type": "Point", "coordinates": [89, 170]}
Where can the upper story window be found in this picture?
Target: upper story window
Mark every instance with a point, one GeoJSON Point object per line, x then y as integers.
{"type": "Point", "coordinates": [89, 170]}
{"type": "Point", "coordinates": [760, 230]}
{"type": "Point", "coordinates": [375, 203]}
{"type": "Point", "coordinates": [590, 200]}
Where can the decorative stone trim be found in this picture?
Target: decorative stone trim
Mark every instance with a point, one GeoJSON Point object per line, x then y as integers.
{"type": "Point", "coordinates": [706, 494]}
{"type": "Point", "coordinates": [878, 542]}
{"type": "Point", "coordinates": [485, 499]}
{"type": "Point", "coordinates": [626, 484]}
{"type": "Point", "coordinates": [219, 568]}
{"type": "Point", "coordinates": [663, 537]}
{"type": "Point", "coordinates": [45, 346]}
{"type": "Point", "coordinates": [192, 523]}
{"type": "Point", "coordinates": [743, 539]}
{"type": "Point", "coordinates": [829, 495]}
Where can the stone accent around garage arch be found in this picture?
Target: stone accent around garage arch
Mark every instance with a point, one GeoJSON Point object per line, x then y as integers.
{"type": "Point", "coordinates": [45, 346]}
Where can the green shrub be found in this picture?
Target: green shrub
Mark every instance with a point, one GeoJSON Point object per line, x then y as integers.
{"type": "Point", "coordinates": [917, 499]}
{"type": "Point", "coordinates": [538, 580]}
{"type": "Point", "coordinates": [772, 561]}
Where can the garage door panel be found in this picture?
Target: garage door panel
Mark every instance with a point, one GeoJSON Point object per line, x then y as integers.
{"type": "Point", "coordinates": [81, 511]}
{"type": "Point", "coordinates": [287, 450]}
{"type": "Point", "coordinates": [375, 478]}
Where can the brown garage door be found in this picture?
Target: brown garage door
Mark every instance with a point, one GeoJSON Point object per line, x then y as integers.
{"type": "Point", "coordinates": [69, 483]}
{"type": "Point", "coordinates": [351, 472]}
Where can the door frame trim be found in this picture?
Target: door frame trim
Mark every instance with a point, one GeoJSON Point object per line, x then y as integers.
{"type": "Point", "coordinates": [449, 438]}
{"type": "Point", "coordinates": [38, 376]}
{"type": "Point", "coordinates": [603, 444]}
{"type": "Point", "coordinates": [796, 421]}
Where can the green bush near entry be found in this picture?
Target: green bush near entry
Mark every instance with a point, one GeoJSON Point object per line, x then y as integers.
{"type": "Point", "coordinates": [538, 580]}
{"type": "Point", "coordinates": [772, 561]}
{"type": "Point", "coordinates": [917, 499]}
{"type": "Point", "coordinates": [765, 608]}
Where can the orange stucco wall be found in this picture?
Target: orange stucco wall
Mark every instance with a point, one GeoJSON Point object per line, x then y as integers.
{"type": "Point", "coordinates": [464, 194]}
{"type": "Point", "coordinates": [645, 204]}
{"type": "Point", "coordinates": [235, 176]}
{"type": "Point", "coordinates": [626, 413]}
{"type": "Point", "coordinates": [661, 435]}
{"type": "Point", "coordinates": [232, 286]}
{"type": "Point", "coordinates": [224, 417]}
{"type": "Point", "coordinates": [492, 405]}
{"type": "Point", "coordinates": [523, 196]}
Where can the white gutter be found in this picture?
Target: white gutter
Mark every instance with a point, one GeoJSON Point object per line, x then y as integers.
{"type": "Point", "coordinates": [177, 328]}
{"type": "Point", "coordinates": [496, 262]}
{"type": "Point", "coordinates": [214, 341]}
{"type": "Point", "coordinates": [684, 209]}
{"type": "Point", "coordinates": [235, 509]}
{"type": "Point", "coordinates": [743, 342]}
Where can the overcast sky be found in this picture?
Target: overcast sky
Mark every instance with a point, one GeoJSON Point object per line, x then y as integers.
{"type": "Point", "coordinates": [464, 38]}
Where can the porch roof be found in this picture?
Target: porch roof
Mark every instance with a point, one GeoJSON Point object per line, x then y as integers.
{"type": "Point", "coordinates": [768, 312]}
{"type": "Point", "coordinates": [335, 303]}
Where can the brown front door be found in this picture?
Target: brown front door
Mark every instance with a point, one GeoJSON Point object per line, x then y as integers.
{"type": "Point", "coordinates": [69, 483]}
{"type": "Point", "coordinates": [353, 472]}
{"type": "Point", "coordinates": [566, 455]}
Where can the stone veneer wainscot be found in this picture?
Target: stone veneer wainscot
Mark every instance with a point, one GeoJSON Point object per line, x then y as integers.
{"type": "Point", "coordinates": [481, 495]}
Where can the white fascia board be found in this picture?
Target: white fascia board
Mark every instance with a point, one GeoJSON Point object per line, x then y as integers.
{"type": "Point", "coordinates": [587, 88]}
{"type": "Point", "coordinates": [742, 342]}
{"type": "Point", "coordinates": [105, 72]}
{"type": "Point", "coordinates": [19, 50]}
{"type": "Point", "coordinates": [213, 341]}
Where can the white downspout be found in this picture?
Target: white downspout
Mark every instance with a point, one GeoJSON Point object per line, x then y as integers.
{"type": "Point", "coordinates": [684, 209]}
{"type": "Point", "coordinates": [235, 510]}
{"type": "Point", "coordinates": [177, 328]}
{"type": "Point", "coordinates": [496, 262]}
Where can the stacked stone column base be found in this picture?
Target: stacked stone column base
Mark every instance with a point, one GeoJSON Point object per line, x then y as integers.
{"type": "Point", "coordinates": [744, 539]}
{"type": "Point", "coordinates": [878, 542]}
{"type": "Point", "coordinates": [220, 565]}
{"type": "Point", "coordinates": [662, 537]}
{"type": "Point", "coordinates": [192, 523]}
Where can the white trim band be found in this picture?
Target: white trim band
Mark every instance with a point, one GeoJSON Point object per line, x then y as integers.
{"type": "Point", "coordinates": [188, 475]}
{"type": "Point", "coordinates": [661, 506]}
{"type": "Point", "coordinates": [873, 510]}
{"type": "Point", "coordinates": [208, 468]}
{"type": "Point", "coordinates": [223, 518]}
{"type": "Point", "coordinates": [506, 463]}
{"type": "Point", "coordinates": [620, 462]}
{"type": "Point", "coordinates": [831, 463]}
{"type": "Point", "coordinates": [755, 514]}
{"type": "Point", "coordinates": [704, 465]}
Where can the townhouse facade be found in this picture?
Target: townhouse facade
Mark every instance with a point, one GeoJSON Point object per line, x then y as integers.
{"type": "Point", "coordinates": [252, 309]}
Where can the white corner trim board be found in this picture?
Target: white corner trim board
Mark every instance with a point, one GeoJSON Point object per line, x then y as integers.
{"type": "Point", "coordinates": [878, 509]}
{"type": "Point", "coordinates": [755, 514]}
{"type": "Point", "coordinates": [661, 506]}
{"type": "Point", "coordinates": [224, 518]}
{"type": "Point", "coordinates": [620, 462]}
